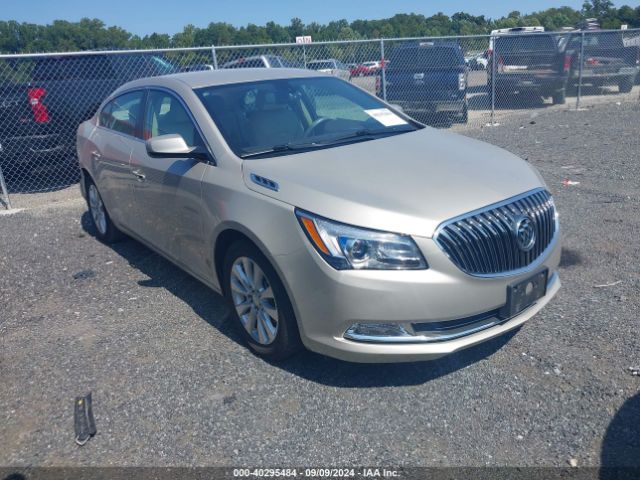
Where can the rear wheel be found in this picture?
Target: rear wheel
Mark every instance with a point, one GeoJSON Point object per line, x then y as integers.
{"type": "Point", "coordinates": [625, 85]}
{"type": "Point", "coordinates": [105, 229]}
{"type": "Point", "coordinates": [560, 97]}
{"type": "Point", "coordinates": [260, 303]}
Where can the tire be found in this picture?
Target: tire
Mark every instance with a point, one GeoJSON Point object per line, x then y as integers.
{"type": "Point", "coordinates": [625, 85]}
{"type": "Point", "coordinates": [106, 231]}
{"type": "Point", "coordinates": [559, 97]}
{"type": "Point", "coordinates": [266, 320]}
{"type": "Point", "coordinates": [464, 117]}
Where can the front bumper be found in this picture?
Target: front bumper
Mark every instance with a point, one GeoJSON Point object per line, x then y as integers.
{"type": "Point", "coordinates": [327, 302]}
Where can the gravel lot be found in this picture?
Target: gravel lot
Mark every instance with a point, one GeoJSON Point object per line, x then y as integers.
{"type": "Point", "coordinates": [172, 385]}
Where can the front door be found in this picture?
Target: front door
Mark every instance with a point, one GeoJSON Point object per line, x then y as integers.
{"type": "Point", "coordinates": [168, 190]}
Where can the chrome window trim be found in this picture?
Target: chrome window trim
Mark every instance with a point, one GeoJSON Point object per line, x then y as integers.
{"type": "Point", "coordinates": [532, 266]}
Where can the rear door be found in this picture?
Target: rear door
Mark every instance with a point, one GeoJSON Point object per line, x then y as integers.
{"type": "Point", "coordinates": [119, 125]}
{"type": "Point", "coordinates": [167, 191]}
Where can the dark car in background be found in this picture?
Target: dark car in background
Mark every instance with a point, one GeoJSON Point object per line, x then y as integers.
{"type": "Point", "coordinates": [609, 59]}
{"type": "Point", "coordinates": [429, 81]}
{"type": "Point", "coordinates": [28, 133]}
{"type": "Point", "coordinates": [529, 64]}
{"type": "Point", "coordinates": [77, 84]}
{"type": "Point", "coordinates": [39, 115]}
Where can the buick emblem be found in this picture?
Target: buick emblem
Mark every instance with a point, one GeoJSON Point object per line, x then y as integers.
{"type": "Point", "coordinates": [525, 233]}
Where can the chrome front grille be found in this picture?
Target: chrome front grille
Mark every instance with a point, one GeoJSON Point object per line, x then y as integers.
{"type": "Point", "coordinates": [485, 242]}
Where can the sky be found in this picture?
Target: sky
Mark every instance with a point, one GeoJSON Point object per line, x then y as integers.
{"type": "Point", "coordinates": [146, 16]}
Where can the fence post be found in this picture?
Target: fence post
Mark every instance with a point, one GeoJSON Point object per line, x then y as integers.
{"type": "Point", "coordinates": [214, 56]}
{"type": "Point", "coordinates": [384, 71]}
{"type": "Point", "coordinates": [493, 78]}
{"type": "Point", "coordinates": [304, 55]}
{"type": "Point", "coordinates": [5, 193]}
{"type": "Point", "coordinates": [581, 60]}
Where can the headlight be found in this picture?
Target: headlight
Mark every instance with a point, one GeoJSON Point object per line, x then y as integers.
{"type": "Point", "coordinates": [346, 247]}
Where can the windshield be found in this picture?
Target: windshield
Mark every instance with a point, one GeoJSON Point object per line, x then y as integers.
{"type": "Point", "coordinates": [274, 117]}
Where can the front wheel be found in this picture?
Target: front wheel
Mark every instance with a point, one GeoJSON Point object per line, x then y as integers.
{"type": "Point", "coordinates": [260, 303]}
{"type": "Point", "coordinates": [106, 231]}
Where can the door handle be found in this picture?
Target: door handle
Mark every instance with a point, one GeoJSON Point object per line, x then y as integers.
{"type": "Point", "coordinates": [96, 155]}
{"type": "Point", "coordinates": [139, 175]}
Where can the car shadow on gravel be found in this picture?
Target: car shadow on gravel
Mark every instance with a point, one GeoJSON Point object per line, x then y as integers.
{"type": "Point", "coordinates": [212, 308]}
{"type": "Point", "coordinates": [337, 373]}
{"type": "Point", "coordinates": [620, 456]}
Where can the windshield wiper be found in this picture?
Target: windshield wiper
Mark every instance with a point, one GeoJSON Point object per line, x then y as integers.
{"type": "Point", "coordinates": [358, 135]}
{"type": "Point", "coordinates": [276, 148]}
{"type": "Point", "coordinates": [365, 134]}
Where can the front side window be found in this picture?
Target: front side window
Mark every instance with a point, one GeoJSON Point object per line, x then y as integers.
{"type": "Point", "coordinates": [276, 117]}
{"type": "Point", "coordinates": [122, 114]}
{"type": "Point", "coordinates": [165, 115]}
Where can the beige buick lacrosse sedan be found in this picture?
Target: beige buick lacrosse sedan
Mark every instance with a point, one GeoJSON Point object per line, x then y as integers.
{"type": "Point", "coordinates": [326, 217]}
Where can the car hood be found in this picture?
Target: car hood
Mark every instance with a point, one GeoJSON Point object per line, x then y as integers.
{"type": "Point", "coordinates": [407, 183]}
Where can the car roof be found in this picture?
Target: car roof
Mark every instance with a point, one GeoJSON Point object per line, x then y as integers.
{"type": "Point", "coordinates": [219, 77]}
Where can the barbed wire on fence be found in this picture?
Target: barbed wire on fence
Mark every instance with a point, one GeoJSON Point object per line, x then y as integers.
{"type": "Point", "coordinates": [441, 81]}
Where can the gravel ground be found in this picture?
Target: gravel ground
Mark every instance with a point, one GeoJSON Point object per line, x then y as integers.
{"type": "Point", "coordinates": [172, 385]}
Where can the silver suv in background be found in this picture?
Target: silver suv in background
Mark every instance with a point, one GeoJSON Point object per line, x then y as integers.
{"type": "Point", "coordinates": [262, 61]}
{"type": "Point", "coordinates": [332, 67]}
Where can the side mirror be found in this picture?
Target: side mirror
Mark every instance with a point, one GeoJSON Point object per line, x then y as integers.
{"type": "Point", "coordinates": [173, 146]}
{"type": "Point", "coordinates": [397, 107]}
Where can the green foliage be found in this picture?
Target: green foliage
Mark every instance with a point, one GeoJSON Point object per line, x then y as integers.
{"type": "Point", "coordinates": [93, 34]}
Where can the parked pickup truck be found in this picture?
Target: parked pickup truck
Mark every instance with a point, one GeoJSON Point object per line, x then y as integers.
{"type": "Point", "coordinates": [27, 132]}
{"type": "Point", "coordinates": [529, 63]}
{"type": "Point", "coordinates": [39, 119]}
{"type": "Point", "coordinates": [429, 81]}
{"type": "Point", "coordinates": [609, 59]}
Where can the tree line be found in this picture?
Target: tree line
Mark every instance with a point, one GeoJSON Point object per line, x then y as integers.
{"type": "Point", "coordinates": [93, 34]}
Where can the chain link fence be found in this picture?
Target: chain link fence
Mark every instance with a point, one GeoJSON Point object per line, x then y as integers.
{"type": "Point", "coordinates": [443, 82]}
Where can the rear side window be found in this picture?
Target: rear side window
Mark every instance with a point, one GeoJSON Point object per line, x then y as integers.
{"type": "Point", "coordinates": [526, 43]}
{"type": "Point", "coordinates": [122, 114]}
{"type": "Point", "coordinates": [604, 40]}
{"type": "Point", "coordinates": [425, 57]}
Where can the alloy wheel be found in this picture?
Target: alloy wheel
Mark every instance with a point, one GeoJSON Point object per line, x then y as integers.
{"type": "Point", "coordinates": [254, 300]}
{"type": "Point", "coordinates": [98, 212]}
